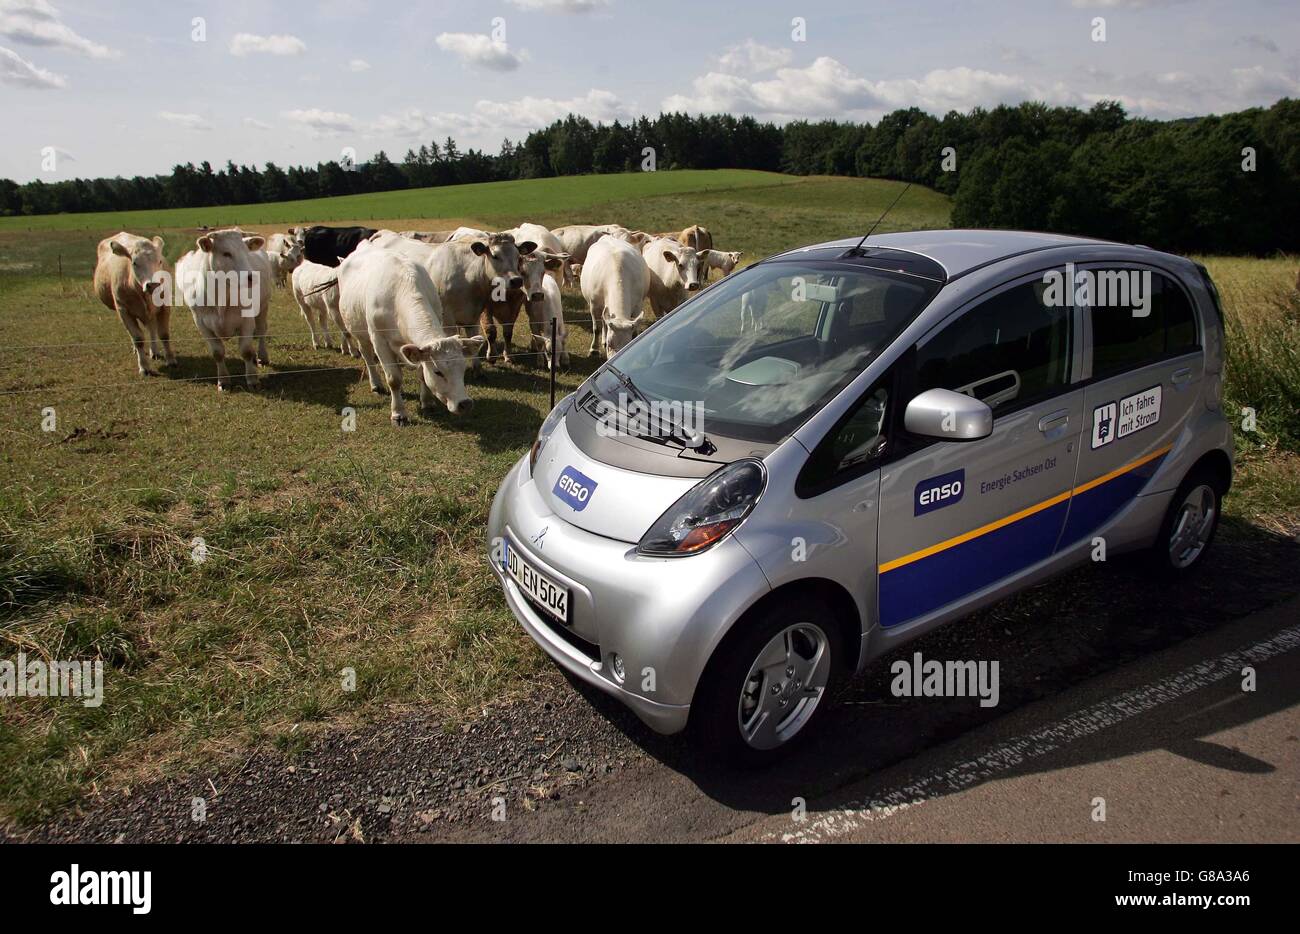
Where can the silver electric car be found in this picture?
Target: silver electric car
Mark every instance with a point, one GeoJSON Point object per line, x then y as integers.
{"type": "Point", "coordinates": [841, 447]}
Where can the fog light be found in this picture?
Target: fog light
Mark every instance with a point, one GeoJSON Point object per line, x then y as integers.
{"type": "Point", "coordinates": [616, 666]}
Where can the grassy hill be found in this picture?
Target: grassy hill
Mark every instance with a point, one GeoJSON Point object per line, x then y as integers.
{"type": "Point", "coordinates": [514, 198]}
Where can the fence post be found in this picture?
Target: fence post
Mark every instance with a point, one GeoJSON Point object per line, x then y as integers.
{"type": "Point", "coordinates": [555, 352]}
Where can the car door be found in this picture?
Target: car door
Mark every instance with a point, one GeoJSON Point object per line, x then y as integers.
{"type": "Point", "coordinates": [960, 517]}
{"type": "Point", "coordinates": [1144, 370]}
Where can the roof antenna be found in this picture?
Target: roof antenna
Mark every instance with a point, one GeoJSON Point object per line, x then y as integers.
{"type": "Point", "coordinates": [857, 250]}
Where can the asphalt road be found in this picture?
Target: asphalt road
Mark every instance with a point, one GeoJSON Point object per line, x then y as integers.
{"type": "Point", "coordinates": [1111, 688]}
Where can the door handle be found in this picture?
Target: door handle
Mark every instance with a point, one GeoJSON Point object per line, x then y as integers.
{"type": "Point", "coordinates": [1054, 420]}
{"type": "Point", "coordinates": [1181, 376]}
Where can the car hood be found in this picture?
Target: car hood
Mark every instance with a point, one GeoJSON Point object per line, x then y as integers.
{"type": "Point", "coordinates": [600, 498]}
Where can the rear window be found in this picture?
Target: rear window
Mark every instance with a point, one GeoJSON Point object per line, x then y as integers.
{"type": "Point", "coordinates": [1125, 338]}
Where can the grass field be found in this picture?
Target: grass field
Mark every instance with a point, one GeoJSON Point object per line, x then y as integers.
{"type": "Point", "coordinates": [326, 549]}
{"type": "Point", "coordinates": [514, 199]}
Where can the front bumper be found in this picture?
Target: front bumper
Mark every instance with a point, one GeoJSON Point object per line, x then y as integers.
{"type": "Point", "coordinates": [664, 616]}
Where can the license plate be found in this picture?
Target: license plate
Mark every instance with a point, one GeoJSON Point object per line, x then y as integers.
{"type": "Point", "coordinates": [547, 593]}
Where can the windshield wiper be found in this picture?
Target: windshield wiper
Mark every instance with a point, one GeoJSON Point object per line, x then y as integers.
{"type": "Point", "coordinates": [687, 438]}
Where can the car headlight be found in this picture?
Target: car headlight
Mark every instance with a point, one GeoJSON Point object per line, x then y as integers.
{"type": "Point", "coordinates": [707, 512]}
{"type": "Point", "coordinates": [549, 425]}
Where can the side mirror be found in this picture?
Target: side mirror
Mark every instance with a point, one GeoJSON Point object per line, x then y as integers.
{"type": "Point", "coordinates": [948, 415]}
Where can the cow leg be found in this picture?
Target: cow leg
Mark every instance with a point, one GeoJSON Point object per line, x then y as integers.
{"type": "Point", "coordinates": [507, 336]}
{"type": "Point", "coordinates": [248, 351]}
{"type": "Point", "coordinates": [475, 365]}
{"type": "Point", "coordinates": [325, 327]}
{"type": "Point", "coordinates": [597, 328]}
{"type": "Point", "coordinates": [137, 340]}
{"type": "Point", "coordinates": [489, 328]}
{"type": "Point", "coordinates": [428, 401]}
{"type": "Point", "coordinates": [367, 353]}
{"type": "Point", "coordinates": [155, 349]}
{"type": "Point", "coordinates": [309, 316]}
{"type": "Point", "coordinates": [163, 318]}
{"type": "Point", "coordinates": [217, 347]}
{"type": "Point", "coordinates": [393, 373]}
{"type": "Point", "coordinates": [347, 343]}
{"type": "Point", "coordinates": [259, 330]}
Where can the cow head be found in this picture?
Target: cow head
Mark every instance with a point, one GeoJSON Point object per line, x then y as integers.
{"type": "Point", "coordinates": [500, 255]}
{"type": "Point", "coordinates": [442, 367]}
{"type": "Point", "coordinates": [146, 258]}
{"type": "Point", "coordinates": [533, 267]}
{"type": "Point", "coordinates": [687, 263]}
{"type": "Point", "coordinates": [729, 260]}
{"type": "Point", "coordinates": [619, 332]}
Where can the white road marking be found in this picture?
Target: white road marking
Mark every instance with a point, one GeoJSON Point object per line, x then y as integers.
{"type": "Point", "coordinates": [1013, 752]}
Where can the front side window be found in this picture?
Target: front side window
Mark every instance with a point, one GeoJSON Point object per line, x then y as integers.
{"type": "Point", "coordinates": [765, 348]}
{"type": "Point", "coordinates": [1009, 350]}
{"type": "Point", "coordinates": [1139, 316]}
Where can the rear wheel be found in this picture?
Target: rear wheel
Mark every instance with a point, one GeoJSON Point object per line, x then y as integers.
{"type": "Point", "coordinates": [766, 689]}
{"type": "Point", "coordinates": [1190, 524]}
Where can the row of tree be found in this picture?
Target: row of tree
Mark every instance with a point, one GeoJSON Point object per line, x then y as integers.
{"type": "Point", "coordinates": [1216, 184]}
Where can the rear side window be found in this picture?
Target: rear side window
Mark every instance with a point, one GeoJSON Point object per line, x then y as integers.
{"type": "Point", "coordinates": [1012, 349]}
{"type": "Point", "coordinates": [1136, 322]}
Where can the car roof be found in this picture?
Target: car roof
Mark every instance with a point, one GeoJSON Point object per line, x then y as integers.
{"type": "Point", "coordinates": [951, 253]}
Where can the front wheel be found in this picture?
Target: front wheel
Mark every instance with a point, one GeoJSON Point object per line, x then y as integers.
{"type": "Point", "coordinates": [769, 682]}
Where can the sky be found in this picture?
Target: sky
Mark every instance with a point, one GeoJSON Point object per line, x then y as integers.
{"type": "Point", "coordinates": [90, 89]}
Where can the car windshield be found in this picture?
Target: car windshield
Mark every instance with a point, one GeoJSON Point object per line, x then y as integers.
{"type": "Point", "coordinates": [765, 348]}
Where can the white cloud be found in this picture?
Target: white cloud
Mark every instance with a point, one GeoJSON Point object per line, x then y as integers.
{"type": "Point", "coordinates": [324, 122]}
{"type": "Point", "coordinates": [484, 51]}
{"type": "Point", "coordinates": [493, 117]}
{"type": "Point", "coordinates": [246, 43]}
{"type": "Point", "coordinates": [186, 121]}
{"type": "Point", "coordinates": [16, 70]}
{"type": "Point", "coordinates": [559, 6]}
{"type": "Point", "coordinates": [750, 57]}
{"type": "Point", "coordinates": [828, 88]}
{"type": "Point", "coordinates": [37, 22]}
{"type": "Point", "coordinates": [358, 65]}
{"type": "Point", "coordinates": [257, 124]}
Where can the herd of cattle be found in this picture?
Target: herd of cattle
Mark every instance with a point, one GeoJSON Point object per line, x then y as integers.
{"type": "Point", "coordinates": [426, 299]}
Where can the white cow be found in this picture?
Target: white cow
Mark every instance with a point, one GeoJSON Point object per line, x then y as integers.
{"type": "Point", "coordinates": [718, 259]}
{"type": "Point", "coordinates": [552, 309]}
{"type": "Point", "coordinates": [264, 272]}
{"type": "Point", "coordinates": [286, 253]}
{"type": "Point", "coordinates": [614, 283]}
{"type": "Point", "coordinates": [316, 290]}
{"type": "Point", "coordinates": [530, 297]}
{"type": "Point", "coordinates": [126, 279]}
{"type": "Point", "coordinates": [674, 271]}
{"type": "Point", "coordinates": [576, 240]}
{"type": "Point", "coordinates": [545, 241]}
{"type": "Point", "coordinates": [218, 282]}
{"type": "Point", "coordinates": [467, 273]}
{"type": "Point", "coordinates": [389, 304]}
{"type": "Point", "coordinates": [468, 233]}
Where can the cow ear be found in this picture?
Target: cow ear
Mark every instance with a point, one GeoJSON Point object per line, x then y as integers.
{"type": "Point", "coordinates": [670, 256]}
{"type": "Point", "coordinates": [414, 354]}
{"type": "Point", "coordinates": [118, 249]}
{"type": "Point", "coordinates": [255, 243]}
{"type": "Point", "coordinates": [555, 260]}
{"type": "Point", "coordinates": [204, 244]}
{"type": "Point", "coordinates": [526, 247]}
{"type": "Point", "coordinates": [479, 247]}
{"type": "Point", "coordinates": [471, 344]}
{"type": "Point", "coordinates": [158, 244]}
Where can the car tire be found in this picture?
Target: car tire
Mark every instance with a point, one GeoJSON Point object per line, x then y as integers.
{"type": "Point", "coordinates": [1189, 524]}
{"type": "Point", "coordinates": [737, 713]}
